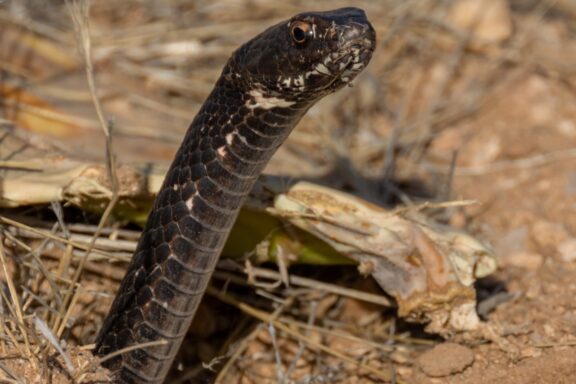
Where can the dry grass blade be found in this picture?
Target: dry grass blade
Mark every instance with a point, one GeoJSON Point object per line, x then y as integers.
{"type": "Point", "coordinates": [48, 335]}
{"type": "Point", "coordinates": [51, 236]}
{"type": "Point", "coordinates": [16, 305]}
{"type": "Point", "coordinates": [79, 11]}
{"type": "Point", "coordinates": [10, 376]}
{"type": "Point", "coordinates": [239, 350]}
{"type": "Point", "coordinates": [308, 283]}
{"type": "Point", "coordinates": [343, 335]}
{"type": "Point", "coordinates": [98, 361]}
{"type": "Point", "coordinates": [267, 318]}
{"type": "Point", "coordinates": [302, 345]}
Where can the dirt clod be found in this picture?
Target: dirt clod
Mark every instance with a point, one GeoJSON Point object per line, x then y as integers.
{"type": "Point", "coordinates": [445, 359]}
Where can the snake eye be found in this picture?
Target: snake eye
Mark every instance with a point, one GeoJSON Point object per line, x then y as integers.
{"type": "Point", "coordinates": [300, 31]}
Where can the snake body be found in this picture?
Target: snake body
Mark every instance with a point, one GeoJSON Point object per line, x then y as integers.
{"type": "Point", "coordinates": [265, 88]}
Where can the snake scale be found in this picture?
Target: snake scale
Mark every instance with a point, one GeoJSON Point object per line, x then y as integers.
{"type": "Point", "coordinates": [265, 88]}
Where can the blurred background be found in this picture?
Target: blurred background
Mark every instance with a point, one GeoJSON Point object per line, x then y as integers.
{"type": "Point", "coordinates": [464, 99]}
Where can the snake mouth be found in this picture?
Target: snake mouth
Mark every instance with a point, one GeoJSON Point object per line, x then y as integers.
{"type": "Point", "coordinates": [352, 59]}
{"type": "Point", "coordinates": [344, 69]}
{"type": "Point", "coordinates": [358, 43]}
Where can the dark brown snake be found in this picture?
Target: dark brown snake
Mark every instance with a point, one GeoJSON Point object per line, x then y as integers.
{"type": "Point", "coordinates": [264, 90]}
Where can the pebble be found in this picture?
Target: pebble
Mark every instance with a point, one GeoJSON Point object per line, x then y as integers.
{"type": "Point", "coordinates": [445, 359]}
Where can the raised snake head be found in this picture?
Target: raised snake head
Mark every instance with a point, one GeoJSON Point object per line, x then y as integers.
{"type": "Point", "coordinates": [304, 58]}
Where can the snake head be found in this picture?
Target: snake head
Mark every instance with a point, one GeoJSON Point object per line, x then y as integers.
{"type": "Point", "coordinates": [306, 57]}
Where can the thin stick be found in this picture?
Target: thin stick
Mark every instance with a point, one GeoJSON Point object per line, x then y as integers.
{"type": "Point", "coordinates": [265, 317]}
{"type": "Point", "coordinates": [98, 361]}
{"type": "Point", "coordinates": [383, 347]}
{"type": "Point", "coordinates": [79, 12]}
{"type": "Point", "coordinates": [14, 378]}
{"type": "Point", "coordinates": [245, 342]}
{"type": "Point", "coordinates": [51, 236]}
{"type": "Point", "coordinates": [314, 284]}
{"type": "Point", "coordinates": [16, 303]}
{"type": "Point", "coordinates": [302, 346]}
{"type": "Point", "coordinates": [6, 330]}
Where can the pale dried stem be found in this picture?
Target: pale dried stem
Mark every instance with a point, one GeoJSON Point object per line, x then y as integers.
{"type": "Point", "coordinates": [79, 376]}
{"type": "Point", "coordinates": [14, 302]}
{"type": "Point", "coordinates": [309, 283]}
{"type": "Point", "coordinates": [265, 317]}
{"type": "Point", "coordinates": [246, 343]}
{"type": "Point", "coordinates": [60, 239]}
{"type": "Point", "coordinates": [79, 12]}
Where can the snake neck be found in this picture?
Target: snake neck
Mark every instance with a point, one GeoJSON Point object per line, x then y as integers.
{"type": "Point", "coordinates": [226, 147]}
{"type": "Point", "coordinates": [266, 87]}
{"type": "Point", "coordinates": [243, 138]}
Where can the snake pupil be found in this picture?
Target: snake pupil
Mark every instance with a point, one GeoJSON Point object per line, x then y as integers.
{"type": "Point", "coordinates": [300, 32]}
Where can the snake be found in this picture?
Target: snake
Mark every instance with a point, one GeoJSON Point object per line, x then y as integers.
{"type": "Point", "coordinates": [265, 88]}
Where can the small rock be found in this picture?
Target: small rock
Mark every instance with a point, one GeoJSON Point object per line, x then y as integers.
{"type": "Point", "coordinates": [445, 359]}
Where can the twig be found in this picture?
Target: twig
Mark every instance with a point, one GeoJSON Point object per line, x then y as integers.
{"type": "Point", "coordinates": [571, 343]}
{"type": "Point", "coordinates": [312, 284]}
{"type": "Point", "coordinates": [277, 358]}
{"type": "Point", "coordinates": [13, 378]}
{"type": "Point", "coordinates": [265, 317]}
{"type": "Point", "coordinates": [246, 340]}
{"type": "Point", "coordinates": [98, 361]}
{"type": "Point", "coordinates": [302, 346]}
{"type": "Point", "coordinates": [16, 304]}
{"type": "Point", "coordinates": [57, 238]}
{"type": "Point", "coordinates": [79, 12]}
{"type": "Point", "coordinates": [42, 327]}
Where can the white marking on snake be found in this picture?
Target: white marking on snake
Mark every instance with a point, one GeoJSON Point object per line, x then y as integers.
{"type": "Point", "coordinates": [190, 201]}
{"type": "Point", "coordinates": [222, 152]}
{"type": "Point", "coordinates": [321, 68]}
{"type": "Point", "coordinates": [239, 136]}
{"type": "Point", "coordinates": [260, 101]}
{"type": "Point", "coordinates": [230, 137]}
{"type": "Point", "coordinates": [299, 81]}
